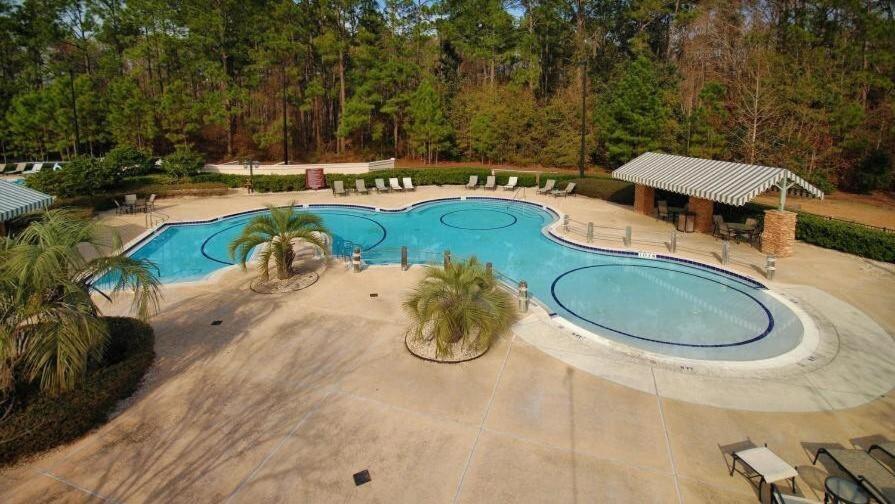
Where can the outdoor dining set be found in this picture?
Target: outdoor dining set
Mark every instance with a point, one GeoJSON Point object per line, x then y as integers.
{"type": "Point", "coordinates": [684, 220]}
{"type": "Point", "coordinates": [133, 204]}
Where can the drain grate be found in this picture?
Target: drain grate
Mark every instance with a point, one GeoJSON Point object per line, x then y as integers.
{"type": "Point", "coordinates": [374, 294]}
{"type": "Point", "coordinates": [217, 322]}
{"type": "Point", "coordinates": [362, 477]}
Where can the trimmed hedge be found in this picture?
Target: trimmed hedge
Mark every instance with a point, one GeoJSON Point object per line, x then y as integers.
{"type": "Point", "coordinates": [605, 188]}
{"type": "Point", "coordinates": [45, 422]}
{"type": "Point", "coordinates": [846, 237]}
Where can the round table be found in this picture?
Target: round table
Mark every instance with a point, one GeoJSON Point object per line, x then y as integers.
{"type": "Point", "coordinates": [845, 491]}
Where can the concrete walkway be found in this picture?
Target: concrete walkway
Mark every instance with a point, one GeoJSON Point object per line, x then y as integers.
{"type": "Point", "coordinates": [294, 393]}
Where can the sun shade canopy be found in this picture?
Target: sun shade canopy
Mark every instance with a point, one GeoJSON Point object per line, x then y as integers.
{"type": "Point", "coordinates": [16, 200]}
{"type": "Point", "coordinates": [722, 181]}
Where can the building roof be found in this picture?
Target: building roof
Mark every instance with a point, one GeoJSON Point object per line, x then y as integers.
{"type": "Point", "coordinates": [722, 181]}
{"type": "Point", "coordinates": [16, 200]}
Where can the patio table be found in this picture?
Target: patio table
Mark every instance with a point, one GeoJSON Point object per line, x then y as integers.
{"type": "Point", "coordinates": [740, 231]}
{"type": "Point", "coordinates": [840, 490]}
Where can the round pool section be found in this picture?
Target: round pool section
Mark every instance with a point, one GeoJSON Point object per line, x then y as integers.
{"type": "Point", "coordinates": [664, 306]}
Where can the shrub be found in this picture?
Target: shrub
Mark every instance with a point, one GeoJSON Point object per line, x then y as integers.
{"type": "Point", "coordinates": [80, 177]}
{"type": "Point", "coordinates": [128, 160]}
{"type": "Point", "coordinates": [847, 237]}
{"type": "Point", "coordinates": [183, 162]}
{"type": "Point", "coordinates": [617, 191]}
{"type": "Point", "coordinates": [44, 422]}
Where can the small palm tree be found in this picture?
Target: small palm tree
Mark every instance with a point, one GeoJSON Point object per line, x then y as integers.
{"type": "Point", "coordinates": [460, 303]}
{"type": "Point", "coordinates": [50, 327]}
{"type": "Point", "coordinates": [278, 230]}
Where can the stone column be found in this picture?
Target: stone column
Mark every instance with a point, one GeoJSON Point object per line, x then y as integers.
{"type": "Point", "coordinates": [644, 199]}
{"type": "Point", "coordinates": [779, 233]}
{"type": "Point", "coordinates": [703, 209]}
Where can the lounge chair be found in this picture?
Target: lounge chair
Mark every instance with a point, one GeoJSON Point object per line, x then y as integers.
{"type": "Point", "coordinates": [10, 168]}
{"type": "Point", "coordinates": [380, 185]}
{"type": "Point", "coordinates": [119, 209]}
{"type": "Point", "coordinates": [778, 497]}
{"type": "Point", "coordinates": [34, 169]}
{"type": "Point", "coordinates": [719, 228]}
{"type": "Point", "coordinates": [20, 168]}
{"type": "Point", "coordinates": [662, 208]}
{"type": "Point", "coordinates": [766, 465]}
{"type": "Point", "coordinates": [888, 448]}
{"type": "Point", "coordinates": [491, 183]}
{"type": "Point", "coordinates": [361, 187]}
{"type": "Point", "coordinates": [150, 203]}
{"type": "Point", "coordinates": [547, 187]}
{"type": "Point", "coordinates": [130, 201]}
{"type": "Point", "coordinates": [394, 185]}
{"type": "Point", "coordinates": [511, 184]}
{"type": "Point", "coordinates": [339, 188]}
{"type": "Point", "coordinates": [569, 189]}
{"type": "Point", "coordinates": [408, 184]}
{"type": "Point", "coordinates": [870, 473]}
{"type": "Point", "coordinates": [473, 182]}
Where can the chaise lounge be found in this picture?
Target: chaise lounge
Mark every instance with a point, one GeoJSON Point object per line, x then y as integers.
{"type": "Point", "coordinates": [360, 186]}
{"type": "Point", "coordinates": [548, 187]}
{"type": "Point", "coordinates": [380, 185]}
{"type": "Point", "coordinates": [394, 185]}
{"type": "Point", "coordinates": [491, 183]}
{"type": "Point", "coordinates": [511, 184]}
{"type": "Point", "coordinates": [339, 188]}
{"type": "Point", "coordinates": [870, 473]}
{"type": "Point", "coordinates": [473, 182]}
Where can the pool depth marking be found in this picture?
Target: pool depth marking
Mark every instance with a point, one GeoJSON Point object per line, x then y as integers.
{"type": "Point", "coordinates": [767, 312]}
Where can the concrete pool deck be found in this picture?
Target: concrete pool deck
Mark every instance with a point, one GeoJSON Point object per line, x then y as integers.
{"type": "Point", "coordinates": [294, 393]}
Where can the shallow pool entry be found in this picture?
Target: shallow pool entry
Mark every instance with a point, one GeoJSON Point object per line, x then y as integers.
{"type": "Point", "coordinates": [660, 305]}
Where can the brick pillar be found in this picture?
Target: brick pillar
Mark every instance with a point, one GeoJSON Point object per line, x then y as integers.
{"type": "Point", "coordinates": [644, 199]}
{"type": "Point", "coordinates": [703, 209]}
{"type": "Point", "coordinates": [779, 233]}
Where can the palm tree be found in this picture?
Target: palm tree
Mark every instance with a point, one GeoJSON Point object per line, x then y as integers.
{"type": "Point", "coordinates": [461, 303]}
{"type": "Point", "coordinates": [278, 230]}
{"type": "Point", "coordinates": [50, 328]}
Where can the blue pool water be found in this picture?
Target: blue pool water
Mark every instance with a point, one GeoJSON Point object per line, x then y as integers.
{"type": "Point", "coordinates": [658, 305]}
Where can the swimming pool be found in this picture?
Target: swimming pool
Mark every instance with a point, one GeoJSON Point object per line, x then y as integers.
{"type": "Point", "coordinates": [660, 305]}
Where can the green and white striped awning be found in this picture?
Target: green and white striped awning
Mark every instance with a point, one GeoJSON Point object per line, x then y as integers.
{"type": "Point", "coordinates": [16, 200]}
{"type": "Point", "coordinates": [722, 181]}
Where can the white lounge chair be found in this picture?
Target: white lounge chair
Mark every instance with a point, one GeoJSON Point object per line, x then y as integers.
{"type": "Point", "coordinates": [491, 182]}
{"type": "Point", "coordinates": [778, 497]}
{"type": "Point", "coordinates": [394, 185]}
{"type": "Point", "coordinates": [150, 203]}
{"type": "Point", "coordinates": [380, 185]}
{"type": "Point", "coordinates": [360, 186]}
{"type": "Point", "coordinates": [34, 169]}
{"type": "Point", "coordinates": [511, 184]}
{"type": "Point", "coordinates": [339, 188]}
{"type": "Point", "coordinates": [547, 187]}
{"type": "Point", "coordinates": [473, 182]}
{"type": "Point", "coordinates": [569, 189]}
{"type": "Point", "coordinates": [408, 184]}
{"type": "Point", "coordinates": [765, 464]}
{"type": "Point", "coordinates": [20, 168]}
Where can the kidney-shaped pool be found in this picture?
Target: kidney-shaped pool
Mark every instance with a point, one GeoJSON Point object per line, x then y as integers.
{"type": "Point", "coordinates": [666, 306]}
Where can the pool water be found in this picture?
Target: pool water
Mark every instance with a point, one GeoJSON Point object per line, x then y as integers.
{"type": "Point", "coordinates": [659, 305]}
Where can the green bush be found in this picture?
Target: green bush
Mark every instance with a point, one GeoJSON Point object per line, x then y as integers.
{"type": "Point", "coordinates": [609, 189]}
{"type": "Point", "coordinates": [81, 176]}
{"type": "Point", "coordinates": [183, 162]}
{"type": "Point", "coordinates": [44, 422]}
{"type": "Point", "coordinates": [847, 237]}
{"type": "Point", "coordinates": [128, 160]}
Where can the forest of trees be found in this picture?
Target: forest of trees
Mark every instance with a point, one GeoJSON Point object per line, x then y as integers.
{"type": "Point", "coordinates": [802, 84]}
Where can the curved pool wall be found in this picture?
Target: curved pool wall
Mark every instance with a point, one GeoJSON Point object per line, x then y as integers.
{"type": "Point", "coordinates": [655, 303]}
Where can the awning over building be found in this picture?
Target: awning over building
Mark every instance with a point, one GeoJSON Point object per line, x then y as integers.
{"type": "Point", "coordinates": [16, 200]}
{"type": "Point", "coordinates": [722, 181]}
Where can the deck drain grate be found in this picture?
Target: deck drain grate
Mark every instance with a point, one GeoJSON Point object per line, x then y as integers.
{"type": "Point", "coordinates": [374, 294]}
{"type": "Point", "coordinates": [217, 322]}
{"type": "Point", "coordinates": [362, 477]}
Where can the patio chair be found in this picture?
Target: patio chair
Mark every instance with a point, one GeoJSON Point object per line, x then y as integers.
{"type": "Point", "coordinates": [569, 189]}
{"type": "Point", "coordinates": [473, 182]}
{"type": "Point", "coordinates": [130, 201]}
{"type": "Point", "coordinates": [491, 183]}
{"type": "Point", "coordinates": [380, 185]}
{"type": "Point", "coordinates": [870, 473]}
{"type": "Point", "coordinates": [766, 465]}
{"type": "Point", "coordinates": [394, 185]}
{"type": "Point", "coordinates": [511, 184]}
{"type": "Point", "coordinates": [408, 184]}
{"type": "Point", "coordinates": [888, 448]}
{"type": "Point", "coordinates": [719, 228]}
{"type": "Point", "coordinates": [20, 168]}
{"type": "Point", "coordinates": [662, 208]}
{"type": "Point", "coordinates": [10, 168]}
{"type": "Point", "coordinates": [339, 188]}
{"type": "Point", "coordinates": [548, 187]}
{"type": "Point", "coordinates": [778, 497]}
{"type": "Point", "coordinates": [150, 203]}
{"type": "Point", "coordinates": [361, 187]}
{"type": "Point", "coordinates": [34, 169]}
{"type": "Point", "coordinates": [119, 209]}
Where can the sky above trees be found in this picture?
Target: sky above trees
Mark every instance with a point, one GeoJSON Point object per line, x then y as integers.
{"type": "Point", "coordinates": [806, 84]}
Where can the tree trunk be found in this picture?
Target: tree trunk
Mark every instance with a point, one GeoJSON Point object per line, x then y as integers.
{"type": "Point", "coordinates": [341, 145]}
